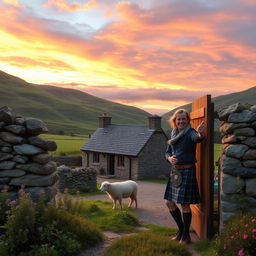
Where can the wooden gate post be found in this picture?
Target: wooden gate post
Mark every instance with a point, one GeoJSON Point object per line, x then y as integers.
{"type": "Point", "coordinates": [202, 220]}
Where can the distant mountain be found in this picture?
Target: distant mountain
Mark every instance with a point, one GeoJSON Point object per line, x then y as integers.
{"type": "Point", "coordinates": [64, 110]}
{"type": "Point", "coordinates": [247, 96]}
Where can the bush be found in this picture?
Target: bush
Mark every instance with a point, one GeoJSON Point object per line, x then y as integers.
{"type": "Point", "coordinates": [239, 236]}
{"type": "Point", "coordinates": [37, 229]}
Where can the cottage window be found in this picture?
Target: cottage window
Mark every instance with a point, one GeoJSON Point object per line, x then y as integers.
{"type": "Point", "coordinates": [96, 157]}
{"type": "Point", "coordinates": [120, 161]}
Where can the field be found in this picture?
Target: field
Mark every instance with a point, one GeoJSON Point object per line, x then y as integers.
{"type": "Point", "coordinates": [67, 145]}
{"type": "Point", "coordinates": [70, 145]}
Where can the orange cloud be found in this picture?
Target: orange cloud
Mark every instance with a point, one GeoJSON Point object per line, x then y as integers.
{"type": "Point", "coordinates": [63, 5]}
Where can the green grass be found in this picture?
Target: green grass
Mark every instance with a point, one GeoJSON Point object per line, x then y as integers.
{"type": "Point", "coordinates": [67, 145]}
{"type": "Point", "coordinates": [146, 243]}
{"type": "Point", "coordinates": [101, 213]}
{"type": "Point", "coordinates": [206, 247]}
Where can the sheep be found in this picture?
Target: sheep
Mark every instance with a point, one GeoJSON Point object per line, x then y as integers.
{"type": "Point", "coordinates": [119, 190]}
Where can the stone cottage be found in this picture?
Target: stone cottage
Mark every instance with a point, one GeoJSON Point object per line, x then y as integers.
{"type": "Point", "coordinates": [127, 152]}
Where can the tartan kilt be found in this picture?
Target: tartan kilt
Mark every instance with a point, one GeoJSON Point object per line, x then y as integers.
{"type": "Point", "coordinates": [187, 192]}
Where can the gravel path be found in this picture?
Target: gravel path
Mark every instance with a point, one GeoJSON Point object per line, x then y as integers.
{"type": "Point", "coordinates": [151, 210]}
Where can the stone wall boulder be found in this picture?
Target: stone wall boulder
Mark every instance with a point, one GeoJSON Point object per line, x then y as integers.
{"type": "Point", "coordinates": [24, 157]}
{"type": "Point", "coordinates": [237, 161]}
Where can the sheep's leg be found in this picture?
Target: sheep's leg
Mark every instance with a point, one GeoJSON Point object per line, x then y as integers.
{"type": "Point", "coordinates": [136, 202]}
{"type": "Point", "coordinates": [120, 203]}
{"type": "Point", "coordinates": [114, 204]}
{"type": "Point", "coordinates": [130, 203]}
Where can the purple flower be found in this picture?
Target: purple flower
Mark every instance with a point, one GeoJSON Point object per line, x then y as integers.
{"type": "Point", "coordinates": [8, 212]}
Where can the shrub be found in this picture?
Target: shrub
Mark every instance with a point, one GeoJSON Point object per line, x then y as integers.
{"type": "Point", "coordinates": [239, 236]}
{"type": "Point", "coordinates": [34, 229]}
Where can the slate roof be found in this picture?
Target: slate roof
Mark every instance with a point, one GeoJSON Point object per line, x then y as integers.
{"type": "Point", "coordinates": [119, 139]}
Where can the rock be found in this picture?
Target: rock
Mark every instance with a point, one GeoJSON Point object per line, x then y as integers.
{"type": "Point", "coordinates": [243, 117]}
{"type": "Point", "coordinates": [225, 112]}
{"type": "Point", "coordinates": [253, 108]}
{"type": "Point", "coordinates": [35, 126]}
{"type": "Point", "coordinates": [249, 163]}
{"type": "Point", "coordinates": [16, 129]}
{"type": "Point", "coordinates": [7, 115]}
{"type": "Point", "coordinates": [228, 128]}
{"type": "Point", "coordinates": [48, 192]}
{"type": "Point", "coordinates": [44, 144]}
{"type": "Point", "coordinates": [10, 138]}
{"type": "Point", "coordinates": [7, 165]}
{"type": "Point", "coordinates": [20, 121]}
{"type": "Point", "coordinates": [232, 139]}
{"type": "Point", "coordinates": [6, 149]}
{"type": "Point", "coordinates": [230, 161]}
{"type": "Point", "coordinates": [42, 158]}
{"type": "Point", "coordinates": [33, 180]}
{"type": "Point", "coordinates": [20, 159]}
{"type": "Point", "coordinates": [12, 173]}
{"type": "Point", "coordinates": [27, 149]}
{"type": "Point", "coordinates": [4, 144]}
{"type": "Point", "coordinates": [231, 184]}
{"type": "Point", "coordinates": [236, 150]}
{"type": "Point", "coordinates": [4, 180]}
{"type": "Point", "coordinates": [5, 156]}
{"type": "Point", "coordinates": [248, 132]}
{"type": "Point", "coordinates": [243, 172]}
{"type": "Point", "coordinates": [36, 168]}
{"type": "Point", "coordinates": [250, 154]}
{"type": "Point", "coordinates": [250, 141]}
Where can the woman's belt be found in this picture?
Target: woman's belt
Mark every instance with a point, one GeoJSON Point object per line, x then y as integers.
{"type": "Point", "coordinates": [184, 166]}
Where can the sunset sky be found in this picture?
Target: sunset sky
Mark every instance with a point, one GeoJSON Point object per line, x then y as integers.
{"type": "Point", "coordinates": [152, 54]}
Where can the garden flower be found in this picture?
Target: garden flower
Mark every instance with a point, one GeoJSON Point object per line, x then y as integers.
{"type": "Point", "coordinates": [254, 220]}
{"type": "Point", "coordinates": [254, 230]}
{"type": "Point", "coordinates": [241, 252]}
{"type": "Point", "coordinates": [245, 236]}
{"type": "Point", "coordinates": [8, 212]}
{"type": "Point", "coordinates": [225, 246]}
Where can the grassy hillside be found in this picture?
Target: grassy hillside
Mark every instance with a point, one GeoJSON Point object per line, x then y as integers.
{"type": "Point", "coordinates": [246, 96]}
{"type": "Point", "coordinates": [64, 110]}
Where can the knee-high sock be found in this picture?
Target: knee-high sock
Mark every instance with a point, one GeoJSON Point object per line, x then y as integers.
{"type": "Point", "coordinates": [187, 216]}
{"type": "Point", "coordinates": [176, 214]}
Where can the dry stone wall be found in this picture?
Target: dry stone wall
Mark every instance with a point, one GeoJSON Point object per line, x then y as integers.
{"type": "Point", "coordinates": [78, 178]}
{"type": "Point", "coordinates": [237, 161]}
{"type": "Point", "coordinates": [24, 157]}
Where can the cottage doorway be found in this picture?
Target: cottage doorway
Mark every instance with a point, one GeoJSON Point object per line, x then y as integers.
{"type": "Point", "coordinates": [202, 220]}
{"type": "Point", "coordinates": [111, 164]}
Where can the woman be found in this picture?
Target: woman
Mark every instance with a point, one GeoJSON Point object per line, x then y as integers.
{"type": "Point", "coordinates": [182, 186]}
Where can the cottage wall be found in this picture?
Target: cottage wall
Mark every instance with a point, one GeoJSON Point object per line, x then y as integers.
{"type": "Point", "coordinates": [121, 172]}
{"type": "Point", "coordinates": [237, 161]}
{"type": "Point", "coordinates": [151, 160]}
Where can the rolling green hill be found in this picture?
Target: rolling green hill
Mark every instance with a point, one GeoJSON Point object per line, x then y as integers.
{"type": "Point", "coordinates": [247, 96]}
{"type": "Point", "coordinates": [64, 110]}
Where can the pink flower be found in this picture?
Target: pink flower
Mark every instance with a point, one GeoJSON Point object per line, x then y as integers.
{"type": "Point", "coordinates": [225, 246]}
{"type": "Point", "coordinates": [254, 220]}
{"type": "Point", "coordinates": [246, 225]}
{"type": "Point", "coordinates": [245, 236]}
{"type": "Point", "coordinates": [254, 230]}
{"type": "Point", "coordinates": [241, 252]}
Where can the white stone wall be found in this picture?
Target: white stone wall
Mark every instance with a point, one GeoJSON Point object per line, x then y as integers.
{"type": "Point", "coordinates": [237, 161]}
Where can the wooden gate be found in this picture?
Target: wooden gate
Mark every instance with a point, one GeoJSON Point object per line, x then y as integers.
{"type": "Point", "coordinates": [202, 220]}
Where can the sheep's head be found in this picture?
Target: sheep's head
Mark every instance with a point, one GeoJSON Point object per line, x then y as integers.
{"type": "Point", "coordinates": [105, 186]}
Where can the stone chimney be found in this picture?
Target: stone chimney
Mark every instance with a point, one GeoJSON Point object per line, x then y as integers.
{"type": "Point", "coordinates": [154, 122]}
{"type": "Point", "coordinates": [104, 120]}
